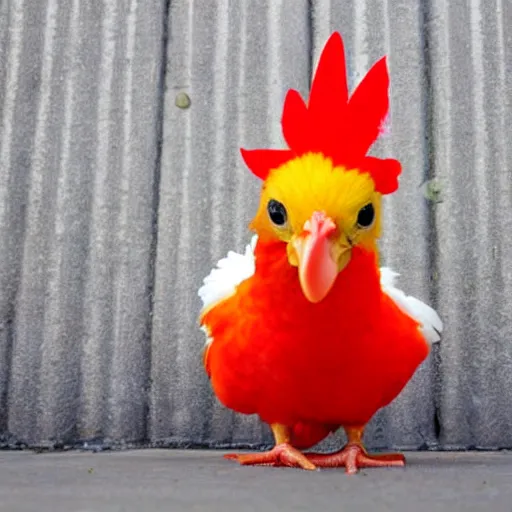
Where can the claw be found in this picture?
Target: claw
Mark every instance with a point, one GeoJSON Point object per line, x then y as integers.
{"type": "Point", "coordinates": [283, 454]}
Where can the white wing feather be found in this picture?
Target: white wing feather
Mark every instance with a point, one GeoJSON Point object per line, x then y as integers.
{"type": "Point", "coordinates": [430, 324]}
{"type": "Point", "coordinates": [223, 280]}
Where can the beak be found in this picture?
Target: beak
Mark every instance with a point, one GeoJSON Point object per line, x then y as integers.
{"type": "Point", "coordinates": [319, 256]}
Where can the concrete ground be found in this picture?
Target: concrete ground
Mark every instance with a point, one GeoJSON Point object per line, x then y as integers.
{"type": "Point", "coordinates": [174, 481]}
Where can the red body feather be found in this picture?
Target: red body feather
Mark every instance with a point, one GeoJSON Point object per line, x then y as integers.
{"type": "Point", "coordinates": [308, 365]}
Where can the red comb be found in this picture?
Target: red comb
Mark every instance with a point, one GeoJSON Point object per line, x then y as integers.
{"type": "Point", "coordinates": [341, 128]}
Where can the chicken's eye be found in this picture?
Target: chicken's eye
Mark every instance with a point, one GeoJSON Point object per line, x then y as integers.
{"type": "Point", "coordinates": [366, 216]}
{"type": "Point", "coordinates": [276, 212]}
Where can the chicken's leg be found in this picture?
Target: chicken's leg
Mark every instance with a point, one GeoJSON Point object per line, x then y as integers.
{"type": "Point", "coordinates": [283, 453]}
{"type": "Point", "coordinates": [354, 455]}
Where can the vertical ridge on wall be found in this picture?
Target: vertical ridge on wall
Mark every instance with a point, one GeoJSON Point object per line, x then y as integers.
{"type": "Point", "coordinates": [12, 188]}
{"type": "Point", "coordinates": [34, 247]}
{"type": "Point", "coordinates": [235, 61]}
{"type": "Point", "coordinates": [59, 365]}
{"type": "Point", "coordinates": [472, 119]}
{"type": "Point", "coordinates": [372, 28]}
{"type": "Point", "coordinates": [129, 391]}
{"type": "Point", "coordinates": [83, 171]}
{"type": "Point", "coordinates": [97, 354]}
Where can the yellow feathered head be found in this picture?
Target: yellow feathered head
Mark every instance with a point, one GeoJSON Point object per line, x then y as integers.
{"type": "Point", "coordinates": [322, 195]}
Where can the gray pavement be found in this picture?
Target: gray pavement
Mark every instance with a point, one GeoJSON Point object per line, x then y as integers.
{"type": "Point", "coordinates": [177, 480]}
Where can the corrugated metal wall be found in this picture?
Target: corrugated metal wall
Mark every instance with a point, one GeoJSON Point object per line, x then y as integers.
{"type": "Point", "coordinates": [115, 202]}
{"type": "Point", "coordinates": [81, 109]}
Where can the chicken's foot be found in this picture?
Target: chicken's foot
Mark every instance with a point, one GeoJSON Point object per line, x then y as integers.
{"type": "Point", "coordinates": [283, 453]}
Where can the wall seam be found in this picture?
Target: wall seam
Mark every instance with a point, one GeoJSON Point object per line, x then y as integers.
{"type": "Point", "coordinates": [159, 132]}
{"type": "Point", "coordinates": [428, 176]}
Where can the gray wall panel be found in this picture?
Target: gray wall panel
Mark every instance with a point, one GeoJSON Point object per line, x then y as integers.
{"type": "Point", "coordinates": [19, 101]}
{"type": "Point", "coordinates": [470, 45]}
{"type": "Point", "coordinates": [82, 146]}
{"type": "Point", "coordinates": [13, 181]}
{"type": "Point", "coordinates": [235, 61]}
{"type": "Point", "coordinates": [372, 28]}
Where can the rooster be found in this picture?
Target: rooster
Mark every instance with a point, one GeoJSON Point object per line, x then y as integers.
{"type": "Point", "coordinates": [304, 329]}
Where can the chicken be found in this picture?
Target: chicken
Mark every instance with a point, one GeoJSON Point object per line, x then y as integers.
{"type": "Point", "coordinates": [304, 329]}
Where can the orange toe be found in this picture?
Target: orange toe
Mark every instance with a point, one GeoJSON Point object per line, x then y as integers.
{"type": "Point", "coordinates": [354, 457]}
{"type": "Point", "coordinates": [281, 455]}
